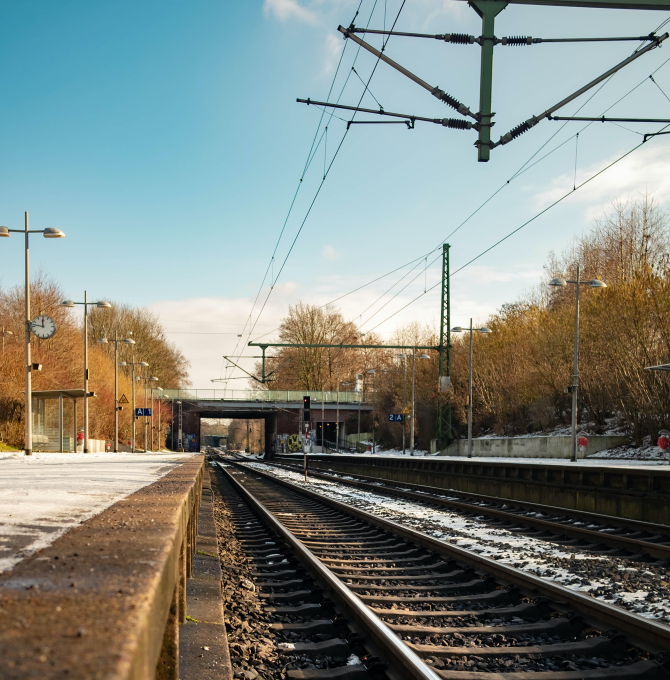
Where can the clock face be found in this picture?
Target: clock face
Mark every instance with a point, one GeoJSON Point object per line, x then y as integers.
{"type": "Point", "coordinates": [43, 326]}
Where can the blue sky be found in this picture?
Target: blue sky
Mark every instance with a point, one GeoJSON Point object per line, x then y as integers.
{"type": "Point", "coordinates": [165, 140]}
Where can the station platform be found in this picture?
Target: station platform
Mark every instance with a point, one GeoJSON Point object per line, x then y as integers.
{"type": "Point", "coordinates": [96, 555]}
{"type": "Point", "coordinates": [627, 490]}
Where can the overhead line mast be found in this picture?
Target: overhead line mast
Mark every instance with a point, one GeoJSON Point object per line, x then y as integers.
{"type": "Point", "coordinates": [488, 10]}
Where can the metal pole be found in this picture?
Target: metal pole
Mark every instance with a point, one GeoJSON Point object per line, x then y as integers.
{"type": "Point", "coordinates": [132, 443]}
{"type": "Point", "coordinates": [146, 406]}
{"type": "Point", "coordinates": [60, 422]}
{"type": "Point", "coordinates": [160, 445]}
{"type": "Point", "coordinates": [172, 425]}
{"type": "Point", "coordinates": [180, 445]}
{"type": "Point", "coordinates": [374, 405]}
{"type": "Point", "coordinates": [337, 420]}
{"type": "Point", "coordinates": [470, 399]}
{"type": "Point", "coordinates": [575, 375]}
{"type": "Point", "coordinates": [404, 400]}
{"type": "Point", "coordinates": [74, 425]}
{"type": "Point", "coordinates": [358, 438]}
{"type": "Point", "coordinates": [443, 432]}
{"type": "Point", "coordinates": [85, 372]}
{"type": "Point", "coordinates": [323, 419]}
{"type": "Point", "coordinates": [152, 419]}
{"type": "Point", "coordinates": [116, 391]}
{"type": "Point", "coordinates": [29, 365]}
{"type": "Point", "coordinates": [411, 425]}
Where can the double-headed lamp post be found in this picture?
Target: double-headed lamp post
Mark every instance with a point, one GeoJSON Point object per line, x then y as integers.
{"type": "Point", "coordinates": [86, 303]}
{"type": "Point", "coordinates": [593, 283]}
{"type": "Point", "coordinates": [404, 397]}
{"type": "Point", "coordinates": [116, 341]}
{"type": "Point", "coordinates": [459, 329]}
{"type": "Point", "coordinates": [49, 232]}
{"type": "Point", "coordinates": [146, 380]}
{"type": "Point", "coordinates": [133, 364]}
{"type": "Point", "coordinates": [411, 425]}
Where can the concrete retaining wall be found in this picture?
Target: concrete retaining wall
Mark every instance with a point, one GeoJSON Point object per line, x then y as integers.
{"type": "Point", "coordinates": [531, 447]}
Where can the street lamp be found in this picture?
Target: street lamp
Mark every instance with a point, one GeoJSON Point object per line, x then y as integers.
{"type": "Point", "coordinates": [116, 341]}
{"type": "Point", "coordinates": [337, 418]}
{"type": "Point", "coordinates": [152, 416]}
{"type": "Point", "coordinates": [472, 330]}
{"type": "Point", "coordinates": [404, 397]}
{"type": "Point", "coordinates": [374, 399]}
{"type": "Point", "coordinates": [146, 418]}
{"type": "Point", "coordinates": [593, 283]}
{"type": "Point", "coordinates": [133, 364]}
{"type": "Point", "coordinates": [100, 304]}
{"type": "Point", "coordinates": [411, 425]}
{"type": "Point", "coordinates": [49, 232]}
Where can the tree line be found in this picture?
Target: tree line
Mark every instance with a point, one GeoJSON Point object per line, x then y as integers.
{"type": "Point", "coordinates": [521, 369]}
{"type": "Point", "coordinates": [62, 358]}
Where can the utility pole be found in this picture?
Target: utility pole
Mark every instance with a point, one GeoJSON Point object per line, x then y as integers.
{"type": "Point", "coordinates": [444, 363]}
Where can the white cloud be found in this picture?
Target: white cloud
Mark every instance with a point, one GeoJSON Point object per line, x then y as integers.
{"type": "Point", "coordinates": [286, 10]}
{"type": "Point", "coordinates": [330, 253]}
{"type": "Point", "coordinates": [333, 49]}
{"type": "Point", "coordinates": [644, 171]}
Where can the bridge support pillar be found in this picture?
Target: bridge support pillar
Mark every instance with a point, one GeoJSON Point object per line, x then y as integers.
{"type": "Point", "coordinates": [270, 435]}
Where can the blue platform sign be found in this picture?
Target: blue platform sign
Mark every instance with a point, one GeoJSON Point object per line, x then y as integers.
{"type": "Point", "coordinates": [395, 418]}
{"type": "Point", "coordinates": [142, 412]}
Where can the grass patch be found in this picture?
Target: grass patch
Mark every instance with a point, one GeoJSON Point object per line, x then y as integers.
{"type": "Point", "coordinates": [190, 618]}
{"type": "Point", "coordinates": [202, 552]}
{"type": "Point", "coordinates": [4, 448]}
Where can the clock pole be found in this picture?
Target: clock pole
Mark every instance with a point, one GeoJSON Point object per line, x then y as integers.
{"type": "Point", "coordinates": [29, 388]}
{"type": "Point", "coordinates": [85, 372]}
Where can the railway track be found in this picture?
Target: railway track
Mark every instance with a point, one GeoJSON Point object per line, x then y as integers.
{"type": "Point", "coordinates": [601, 534]}
{"type": "Point", "coordinates": [421, 608]}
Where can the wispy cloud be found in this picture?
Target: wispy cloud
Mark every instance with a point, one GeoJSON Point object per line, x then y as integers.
{"type": "Point", "coordinates": [330, 253]}
{"type": "Point", "coordinates": [286, 10]}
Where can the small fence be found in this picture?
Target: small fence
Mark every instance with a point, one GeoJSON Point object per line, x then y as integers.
{"type": "Point", "coordinates": [269, 396]}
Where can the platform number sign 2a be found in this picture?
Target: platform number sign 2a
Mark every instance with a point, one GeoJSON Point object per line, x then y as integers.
{"type": "Point", "coordinates": [395, 418]}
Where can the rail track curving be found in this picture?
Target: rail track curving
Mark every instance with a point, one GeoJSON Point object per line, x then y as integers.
{"type": "Point", "coordinates": [416, 607]}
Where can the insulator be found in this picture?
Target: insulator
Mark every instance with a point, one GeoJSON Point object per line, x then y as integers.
{"type": "Point", "coordinates": [519, 130]}
{"type": "Point", "coordinates": [517, 40]}
{"type": "Point", "coordinates": [457, 123]}
{"type": "Point", "coordinates": [459, 38]}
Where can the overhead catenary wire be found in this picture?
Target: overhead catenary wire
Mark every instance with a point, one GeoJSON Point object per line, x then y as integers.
{"type": "Point", "coordinates": [318, 191]}
{"type": "Point", "coordinates": [521, 170]}
{"type": "Point", "coordinates": [517, 229]}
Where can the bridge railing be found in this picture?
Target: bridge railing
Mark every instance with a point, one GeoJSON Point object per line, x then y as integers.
{"type": "Point", "coordinates": [328, 397]}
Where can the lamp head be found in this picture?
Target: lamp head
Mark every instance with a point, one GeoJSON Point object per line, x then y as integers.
{"type": "Point", "coordinates": [103, 341]}
{"type": "Point", "coordinates": [457, 329]}
{"type": "Point", "coordinates": [103, 303]}
{"type": "Point", "coordinates": [424, 356]}
{"type": "Point", "coordinates": [371, 371]}
{"type": "Point", "coordinates": [154, 378]}
{"type": "Point", "coordinates": [137, 377]}
{"type": "Point", "coordinates": [129, 341]}
{"type": "Point", "coordinates": [558, 281]}
{"type": "Point", "coordinates": [7, 333]}
{"type": "Point", "coordinates": [596, 283]}
{"type": "Point", "coordinates": [143, 363]}
{"type": "Point", "coordinates": [123, 363]}
{"type": "Point", "coordinates": [4, 232]}
{"type": "Point", "coordinates": [401, 356]}
{"type": "Point", "coordinates": [484, 329]}
{"type": "Point", "coordinates": [67, 303]}
{"type": "Point", "coordinates": [50, 232]}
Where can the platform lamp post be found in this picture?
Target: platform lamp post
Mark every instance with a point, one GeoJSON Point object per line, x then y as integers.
{"type": "Point", "coordinates": [152, 416]}
{"type": "Point", "coordinates": [372, 372]}
{"type": "Point", "coordinates": [49, 232]}
{"type": "Point", "coordinates": [146, 406]}
{"type": "Point", "coordinates": [86, 303]}
{"type": "Point", "coordinates": [472, 331]}
{"type": "Point", "coordinates": [116, 341]}
{"type": "Point", "coordinates": [133, 364]}
{"type": "Point", "coordinates": [337, 420]}
{"type": "Point", "coordinates": [411, 426]}
{"type": "Point", "coordinates": [404, 397]}
{"type": "Point", "coordinates": [593, 283]}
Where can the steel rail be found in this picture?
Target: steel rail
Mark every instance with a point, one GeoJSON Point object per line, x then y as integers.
{"type": "Point", "coordinates": [411, 666]}
{"type": "Point", "coordinates": [644, 633]}
{"type": "Point", "coordinates": [654, 549]}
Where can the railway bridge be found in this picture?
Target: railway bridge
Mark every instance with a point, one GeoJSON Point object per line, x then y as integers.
{"type": "Point", "coordinates": [281, 410]}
